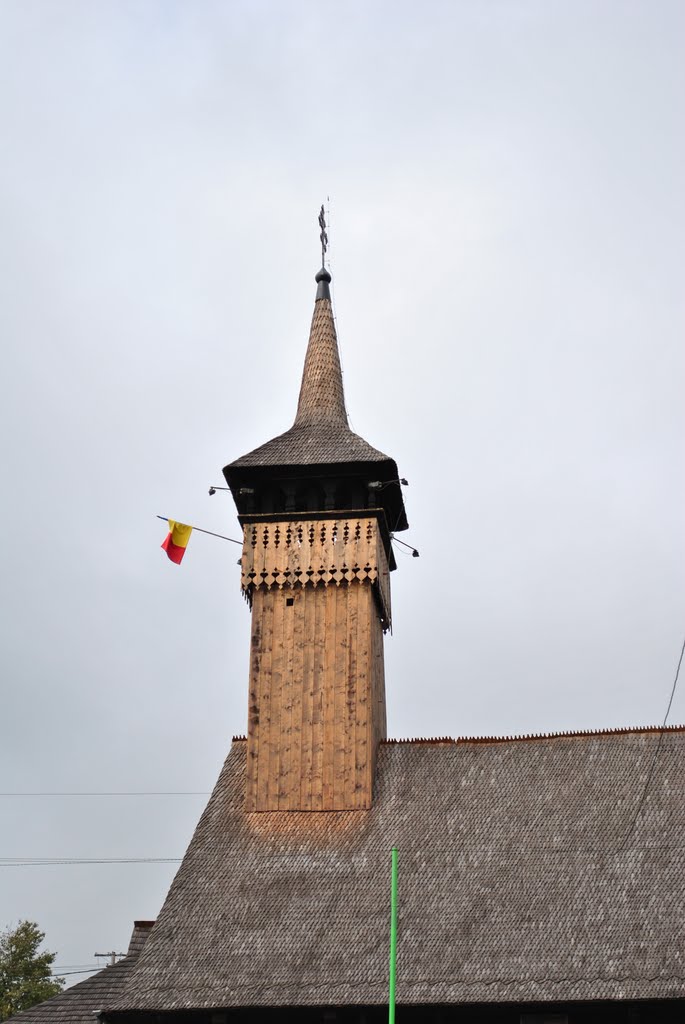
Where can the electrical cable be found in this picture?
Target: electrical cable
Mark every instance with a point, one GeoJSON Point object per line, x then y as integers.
{"type": "Point", "coordinates": [657, 751]}
{"type": "Point", "coordinates": [25, 862]}
{"type": "Point", "coordinates": [456, 850]}
{"type": "Point", "coordinates": [407, 554]}
{"type": "Point", "coordinates": [113, 793]}
{"type": "Point", "coordinates": [66, 974]}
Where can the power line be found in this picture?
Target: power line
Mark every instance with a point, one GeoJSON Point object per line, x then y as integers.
{"type": "Point", "coordinates": [65, 974]}
{"type": "Point", "coordinates": [457, 851]}
{"type": "Point", "coordinates": [160, 792]}
{"type": "Point", "coordinates": [657, 751]}
{"type": "Point", "coordinates": [25, 862]}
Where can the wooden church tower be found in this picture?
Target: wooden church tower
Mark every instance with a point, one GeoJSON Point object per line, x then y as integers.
{"type": "Point", "coordinates": [318, 507]}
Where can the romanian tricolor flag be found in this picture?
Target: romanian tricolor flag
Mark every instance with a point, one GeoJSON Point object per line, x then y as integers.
{"type": "Point", "coordinates": [177, 540]}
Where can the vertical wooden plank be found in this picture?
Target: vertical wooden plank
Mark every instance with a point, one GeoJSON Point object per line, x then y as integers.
{"type": "Point", "coordinates": [295, 561]}
{"type": "Point", "coordinates": [341, 730]}
{"type": "Point", "coordinates": [286, 695]}
{"type": "Point", "coordinates": [328, 715]}
{"type": "Point", "coordinates": [380, 717]}
{"type": "Point", "coordinates": [259, 554]}
{"type": "Point", "coordinates": [373, 723]}
{"type": "Point", "coordinates": [379, 722]}
{"type": "Point", "coordinates": [253, 703]}
{"type": "Point", "coordinates": [319, 595]}
{"type": "Point", "coordinates": [265, 699]}
{"type": "Point", "coordinates": [298, 697]}
{"type": "Point", "coordinates": [245, 556]}
{"type": "Point", "coordinates": [364, 700]}
{"type": "Point", "coordinates": [290, 685]}
{"type": "Point", "coordinates": [385, 579]}
{"type": "Point", "coordinates": [275, 738]}
{"type": "Point", "coordinates": [364, 704]}
{"type": "Point", "coordinates": [351, 695]}
{"type": "Point", "coordinates": [307, 598]}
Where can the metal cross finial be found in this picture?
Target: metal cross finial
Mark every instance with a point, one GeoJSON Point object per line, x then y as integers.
{"type": "Point", "coordinates": [323, 236]}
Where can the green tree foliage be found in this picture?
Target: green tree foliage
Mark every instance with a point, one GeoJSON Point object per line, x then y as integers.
{"type": "Point", "coordinates": [25, 977]}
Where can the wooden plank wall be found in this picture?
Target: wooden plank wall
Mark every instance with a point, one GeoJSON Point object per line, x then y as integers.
{"type": "Point", "coordinates": [317, 698]}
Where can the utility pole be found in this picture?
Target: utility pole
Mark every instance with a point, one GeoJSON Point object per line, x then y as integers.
{"type": "Point", "coordinates": [112, 957]}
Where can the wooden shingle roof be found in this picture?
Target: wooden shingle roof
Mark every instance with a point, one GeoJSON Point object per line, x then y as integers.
{"type": "Point", "coordinates": [78, 1004]}
{"type": "Point", "coordinates": [520, 880]}
{"type": "Point", "coordinates": [320, 434]}
{"type": "Point", "coordinates": [319, 445]}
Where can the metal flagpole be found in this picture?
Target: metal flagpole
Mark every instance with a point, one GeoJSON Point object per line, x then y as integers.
{"type": "Point", "coordinates": [393, 937]}
{"type": "Point", "coordinates": [209, 532]}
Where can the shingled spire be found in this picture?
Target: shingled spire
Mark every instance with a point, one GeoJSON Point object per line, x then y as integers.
{"type": "Point", "coordinates": [319, 463]}
{"type": "Point", "coordinates": [322, 398]}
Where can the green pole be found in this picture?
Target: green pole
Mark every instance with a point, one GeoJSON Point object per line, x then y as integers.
{"type": "Point", "coordinates": [393, 937]}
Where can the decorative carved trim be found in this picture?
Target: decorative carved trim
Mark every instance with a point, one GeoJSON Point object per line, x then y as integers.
{"type": "Point", "coordinates": [319, 552]}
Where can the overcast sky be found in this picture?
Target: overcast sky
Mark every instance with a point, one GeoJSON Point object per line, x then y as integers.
{"type": "Point", "coordinates": [507, 242]}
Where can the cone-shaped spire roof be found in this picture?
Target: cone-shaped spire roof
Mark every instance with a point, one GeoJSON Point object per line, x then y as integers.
{"type": "Point", "coordinates": [322, 398]}
{"type": "Point", "coordinates": [320, 443]}
{"type": "Point", "coordinates": [320, 434]}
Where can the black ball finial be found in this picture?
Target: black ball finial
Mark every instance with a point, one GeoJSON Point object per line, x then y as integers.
{"type": "Point", "coordinates": [323, 279]}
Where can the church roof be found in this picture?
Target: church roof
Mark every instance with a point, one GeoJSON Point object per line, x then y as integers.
{"type": "Point", "coordinates": [78, 1004]}
{"type": "Point", "coordinates": [311, 445]}
{"type": "Point", "coordinates": [321, 433]}
{"type": "Point", "coordinates": [520, 879]}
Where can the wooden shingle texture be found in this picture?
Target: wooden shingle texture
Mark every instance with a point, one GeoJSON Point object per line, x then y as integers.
{"type": "Point", "coordinates": [517, 883]}
{"type": "Point", "coordinates": [78, 1004]}
{"type": "Point", "coordinates": [320, 434]}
